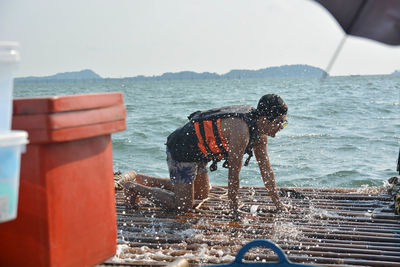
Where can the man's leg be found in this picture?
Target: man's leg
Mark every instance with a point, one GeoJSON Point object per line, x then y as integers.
{"type": "Point", "coordinates": [151, 181]}
{"type": "Point", "coordinates": [143, 179]}
{"type": "Point", "coordinates": [181, 184]}
{"type": "Point", "coordinates": [181, 199]}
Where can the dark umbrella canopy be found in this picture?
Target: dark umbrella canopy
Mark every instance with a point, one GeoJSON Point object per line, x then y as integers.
{"type": "Point", "coordinates": [374, 19]}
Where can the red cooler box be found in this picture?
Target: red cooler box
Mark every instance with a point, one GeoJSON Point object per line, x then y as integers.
{"type": "Point", "coordinates": [66, 211]}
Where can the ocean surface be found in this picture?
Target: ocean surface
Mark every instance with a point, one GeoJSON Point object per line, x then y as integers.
{"type": "Point", "coordinates": [343, 132]}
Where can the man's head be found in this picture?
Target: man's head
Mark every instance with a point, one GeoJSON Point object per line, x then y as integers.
{"type": "Point", "coordinates": [271, 106]}
{"type": "Point", "coordinates": [271, 114]}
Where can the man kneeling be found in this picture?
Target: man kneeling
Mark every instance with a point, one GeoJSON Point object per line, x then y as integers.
{"type": "Point", "coordinates": [225, 133]}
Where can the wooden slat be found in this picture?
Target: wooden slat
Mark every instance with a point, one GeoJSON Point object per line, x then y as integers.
{"type": "Point", "coordinates": [329, 227]}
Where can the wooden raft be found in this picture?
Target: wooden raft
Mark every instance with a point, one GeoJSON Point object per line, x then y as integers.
{"type": "Point", "coordinates": [330, 227]}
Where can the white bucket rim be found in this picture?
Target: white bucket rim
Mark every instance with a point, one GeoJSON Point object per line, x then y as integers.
{"type": "Point", "coordinates": [13, 138]}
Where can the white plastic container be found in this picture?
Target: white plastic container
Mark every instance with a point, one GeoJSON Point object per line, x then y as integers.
{"type": "Point", "coordinates": [9, 58]}
{"type": "Point", "coordinates": [12, 144]}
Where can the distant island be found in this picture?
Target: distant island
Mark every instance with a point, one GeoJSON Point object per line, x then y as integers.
{"type": "Point", "coordinates": [281, 71]}
{"type": "Point", "coordinates": [396, 72]}
{"type": "Point", "coordinates": [82, 75]}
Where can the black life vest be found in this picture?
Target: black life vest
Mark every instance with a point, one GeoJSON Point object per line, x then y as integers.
{"type": "Point", "coordinates": [200, 140]}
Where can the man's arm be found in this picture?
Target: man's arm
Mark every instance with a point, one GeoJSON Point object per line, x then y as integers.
{"type": "Point", "coordinates": [267, 174]}
{"type": "Point", "coordinates": [235, 164]}
{"type": "Point", "coordinates": [236, 132]}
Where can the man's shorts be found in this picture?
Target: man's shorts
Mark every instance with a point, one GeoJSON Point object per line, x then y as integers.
{"type": "Point", "coordinates": [184, 172]}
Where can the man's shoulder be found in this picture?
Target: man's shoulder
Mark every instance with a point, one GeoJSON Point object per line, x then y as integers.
{"type": "Point", "coordinates": [235, 125]}
{"type": "Point", "coordinates": [233, 121]}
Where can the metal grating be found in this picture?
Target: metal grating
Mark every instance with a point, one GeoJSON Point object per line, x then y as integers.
{"type": "Point", "coordinates": [332, 227]}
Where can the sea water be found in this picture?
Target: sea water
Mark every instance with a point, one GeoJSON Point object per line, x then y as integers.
{"type": "Point", "coordinates": [343, 132]}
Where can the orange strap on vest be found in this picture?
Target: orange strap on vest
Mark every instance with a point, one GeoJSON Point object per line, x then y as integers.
{"type": "Point", "coordinates": [211, 143]}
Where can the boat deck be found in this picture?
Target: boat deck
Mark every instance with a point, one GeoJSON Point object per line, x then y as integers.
{"type": "Point", "coordinates": [330, 227]}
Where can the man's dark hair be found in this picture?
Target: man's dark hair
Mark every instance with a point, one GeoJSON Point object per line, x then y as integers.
{"type": "Point", "coordinates": [271, 106]}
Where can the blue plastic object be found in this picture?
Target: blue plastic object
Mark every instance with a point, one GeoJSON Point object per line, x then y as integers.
{"type": "Point", "coordinates": [283, 260]}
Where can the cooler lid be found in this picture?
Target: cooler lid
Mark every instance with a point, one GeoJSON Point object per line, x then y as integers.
{"type": "Point", "coordinates": [54, 104]}
{"type": "Point", "coordinates": [67, 118]}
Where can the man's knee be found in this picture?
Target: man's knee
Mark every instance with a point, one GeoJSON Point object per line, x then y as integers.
{"type": "Point", "coordinates": [184, 205]}
{"type": "Point", "coordinates": [201, 186]}
{"type": "Point", "coordinates": [184, 197]}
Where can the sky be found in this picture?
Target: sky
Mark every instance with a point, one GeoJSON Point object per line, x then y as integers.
{"type": "Point", "coordinates": [127, 38]}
